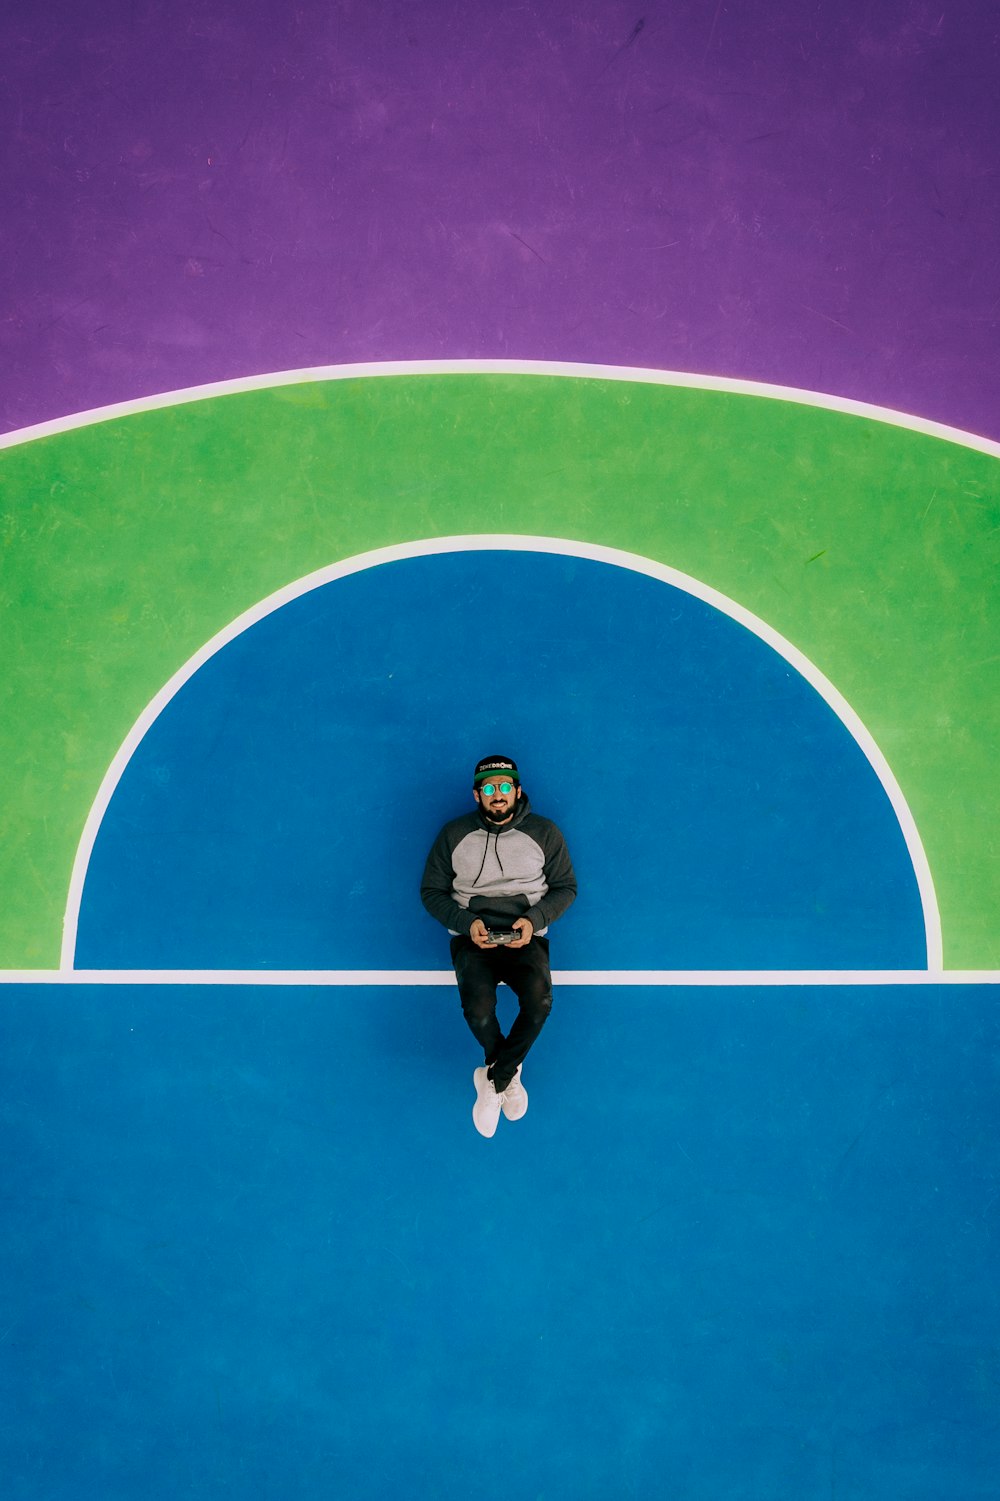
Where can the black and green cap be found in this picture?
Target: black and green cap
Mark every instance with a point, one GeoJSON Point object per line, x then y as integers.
{"type": "Point", "coordinates": [493, 766]}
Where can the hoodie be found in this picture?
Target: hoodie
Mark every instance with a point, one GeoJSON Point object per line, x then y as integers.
{"type": "Point", "coordinates": [498, 872]}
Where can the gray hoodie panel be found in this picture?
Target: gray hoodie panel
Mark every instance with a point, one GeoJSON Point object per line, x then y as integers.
{"type": "Point", "coordinates": [512, 864]}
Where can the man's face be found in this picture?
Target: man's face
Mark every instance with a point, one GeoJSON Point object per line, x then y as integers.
{"type": "Point", "coordinates": [497, 804]}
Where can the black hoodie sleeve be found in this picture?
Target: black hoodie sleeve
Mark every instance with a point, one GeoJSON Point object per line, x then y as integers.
{"type": "Point", "coordinates": [559, 876]}
{"type": "Point", "coordinates": [437, 885]}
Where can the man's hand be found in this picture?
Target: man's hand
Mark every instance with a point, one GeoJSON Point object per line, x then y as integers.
{"type": "Point", "coordinates": [522, 926]}
{"type": "Point", "coordinates": [478, 934]}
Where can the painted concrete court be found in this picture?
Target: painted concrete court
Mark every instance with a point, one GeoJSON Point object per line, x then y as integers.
{"type": "Point", "coordinates": [740, 1244]}
{"type": "Point", "coordinates": [333, 335]}
{"type": "Point", "coordinates": [744, 1234]}
{"type": "Point", "coordinates": [867, 542]}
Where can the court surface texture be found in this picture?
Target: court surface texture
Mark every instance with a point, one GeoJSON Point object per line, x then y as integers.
{"type": "Point", "coordinates": [387, 385]}
{"type": "Point", "coordinates": [744, 1236]}
{"type": "Point", "coordinates": [740, 1244]}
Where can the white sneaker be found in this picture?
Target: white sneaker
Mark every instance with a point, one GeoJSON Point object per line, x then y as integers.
{"type": "Point", "coordinates": [514, 1100]}
{"type": "Point", "coordinates": [486, 1110]}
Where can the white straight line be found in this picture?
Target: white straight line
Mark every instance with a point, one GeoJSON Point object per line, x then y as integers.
{"type": "Point", "coordinates": [336, 978]}
{"type": "Point", "coordinates": [517, 542]}
{"type": "Point", "coordinates": [571, 369]}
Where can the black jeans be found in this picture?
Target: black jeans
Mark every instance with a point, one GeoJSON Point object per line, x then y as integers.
{"type": "Point", "coordinates": [526, 971]}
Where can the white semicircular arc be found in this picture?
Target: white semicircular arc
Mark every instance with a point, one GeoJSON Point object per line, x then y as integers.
{"type": "Point", "coordinates": [614, 557]}
{"type": "Point", "coordinates": [567, 369]}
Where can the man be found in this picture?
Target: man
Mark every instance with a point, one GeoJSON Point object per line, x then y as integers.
{"type": "Point", "coordinates": [496, 879]}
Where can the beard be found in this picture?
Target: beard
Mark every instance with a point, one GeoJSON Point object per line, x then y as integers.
{"type": "Point", "coordinates": [500, 816]}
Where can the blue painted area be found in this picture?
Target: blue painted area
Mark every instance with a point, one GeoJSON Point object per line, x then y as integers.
{"type": "Point", "coordinates": [719, 814]}
{"type": "Point", "coordinates": [741, 1246]}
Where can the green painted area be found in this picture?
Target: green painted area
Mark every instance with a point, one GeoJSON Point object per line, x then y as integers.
{"type": "Point", "coordinates": [128, 544]}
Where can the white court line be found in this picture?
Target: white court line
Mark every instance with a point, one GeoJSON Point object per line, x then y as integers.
{"type": "Point", "coordinates": [571, 369]}
{"type": "Point", "coordinates": [339, 978]}
{"type": "Point", "coordinates": [518, 542]}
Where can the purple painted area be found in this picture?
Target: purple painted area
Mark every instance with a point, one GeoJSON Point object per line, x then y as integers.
{"type": "Point", "coordinates": [790, 191]}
